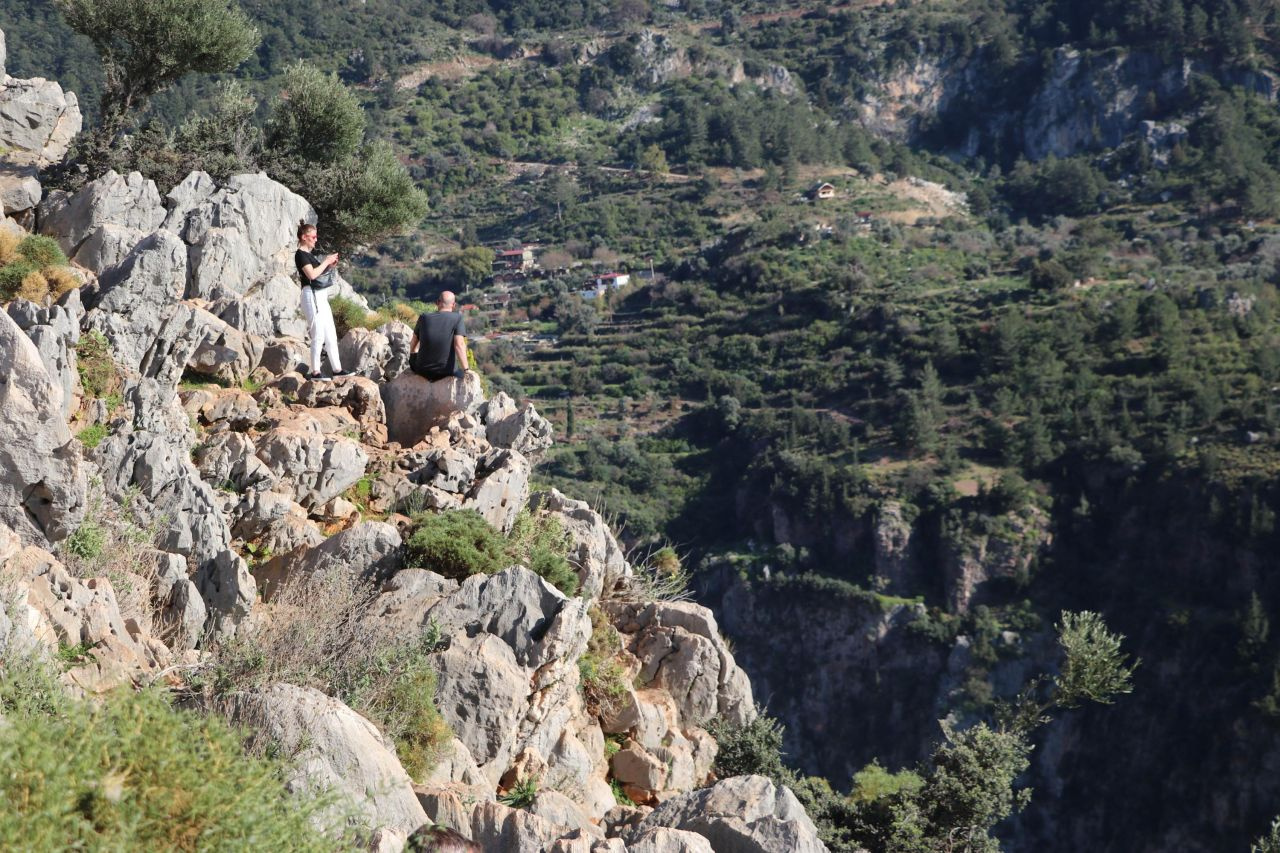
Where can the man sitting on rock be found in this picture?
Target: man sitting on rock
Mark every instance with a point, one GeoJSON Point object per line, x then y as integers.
{"type": "Point", "coordinates": [438, 349]}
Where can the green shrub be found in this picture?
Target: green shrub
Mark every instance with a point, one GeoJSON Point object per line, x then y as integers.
{"type": "Point", "coordinates": [139, 775]}
{"type": "Point", "coordinates": [11, 277]}
{"type": "Point", "coordinates": [92, 435]}
{"type": "Point", "coordinates": [604, 676]}
{"type": "Point", "coordinates": [520, 795]}
{"type": "Point", "coordinates": [456, 544]}
{"type": "Point", "coordinates": [347, 315]}
{"type": "Point", "coordinates": [750, 748]}
{"type": "Point", "coordinates": [539, 542]}
{"type": "Point", "coordinates": [98, 374]}
{"type": "Point", "coordinates": [87, 541]}
{"type": "Point", "coordinates": [41, 251]}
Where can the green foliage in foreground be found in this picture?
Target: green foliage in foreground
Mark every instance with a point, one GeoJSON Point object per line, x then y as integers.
{"type": "Point", "coordinates": [132, 773]}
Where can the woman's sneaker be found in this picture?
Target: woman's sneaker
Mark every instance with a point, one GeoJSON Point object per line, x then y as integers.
{"type": "Point", "coordinates": [317, 377]}
{"type": "Point", "coordinates": [343, 372]}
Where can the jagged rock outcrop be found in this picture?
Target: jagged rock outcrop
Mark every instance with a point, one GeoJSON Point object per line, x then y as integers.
{"type": "Point", "coordinates": [56, 610]}
{"type": "Point", "coordinates": [99, 225]}
{"type": "Point", "coordinates": [55, 331]}
{"type": "Point", "coordinates": [745, 814]}
{"type": "Point", "coordinates": [595, 553]}
{"type": "Point", "coordinates": [519, 428]}
{"type": "Point", "coordinates": [146, 462]}
{"type": "Point", "coordinates": [42, 483]}
{"type": "Point", "coordinates": [334, 748]}
{"type": "Point", "coordinates": [37, 123]}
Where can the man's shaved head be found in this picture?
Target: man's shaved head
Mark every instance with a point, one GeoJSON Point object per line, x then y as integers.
{"type": "Point", "coordinates": [446, 300]}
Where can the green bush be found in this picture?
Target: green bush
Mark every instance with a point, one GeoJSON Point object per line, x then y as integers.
{"type": "Point", "coordinates": [87, 541]}
{"type": "Point", "coordinates": [456, 544]}
{"type": "Point", "coordinates": [750, 748]}
{"type": "Point", "coordinates": [132, 773]}
{"type": "Point", "coordinates": [11, 276]}
{"type": "Point", "coordinates": [91, 436]}
{"type": "Point", "coordinates": [41, 251]}
{"type": "Point", "coordinates": [539, 542]}
{"type": "Point", "coordinates": [603, 675]}
{"type": "Point", "coordinates": [98, 374]}
{"type": "Point", "coordinates": [347, 315]}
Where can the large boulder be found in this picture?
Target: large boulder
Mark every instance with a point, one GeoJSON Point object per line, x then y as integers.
{"type": "Point", "coordinates": [365, 352]}
{"type": "Point", "coordinates": [313, 466]}
{"type": "Point", "coordinates": [42, 486]}
{"type": "Point", "coordinates": [20, 189]}
{"type": "Point", "coordinates": [519, 428]}
{"type": "Point", "coordinates": [242, 234]}
{"type": "Point", "coordinates": [107, 216]}
{"type": "Point", "coordinates": [272, 308]}
{"type": "Point", "coordinates": [414, 405]}
{"type": "Point", "coordinates": [745, 814]}
{"type": "Point", "coordinates": [680, 649]}
{"type": "Point", "coordinates": [369, 550]}
{"type": "Point", "coordinates": [501, 488]}
{"type": "Point", "coordinates": [37, 118]}
{"type": "Point", "coordinates": [333, 749]}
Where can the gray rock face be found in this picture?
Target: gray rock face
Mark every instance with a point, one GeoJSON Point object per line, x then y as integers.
{"type": "Point", "coordinates": [680, 649]}
{"type": "Point", "coordinates": [482, 693]}
{"type": "Point", "coordinates": [108, 213]}
{"type": "Point", "coordinates": [148, 462]}
{"type": "Point", "coordinates": [276, 522]}
{"type": "Point", "coordinates": [745, 814]}
{"type": "Point", "coordinates": [334, 749]}
{"type": "Point", "coordinates": [242, 234]}
{"type": "Point", "coordinates": [594, 551]}
{"type": "Point", "coordinates": [365, 352]}
{"type": "Point", "coordinates": [271, 308]}
{"type": "Point", "coordinates": [894, 551]}
{"type": "Point", "coordinates": [664, 840]}
{"type": "Point", "coordinates": [42, 486]}
{"type": "Point", "coordinates": [182, 612]}
{"type": "Point", "coordinates": [398, 336]}
{"type": "Point", "coordinates": [132, 301]}
{"type": "Point", "coordinates": [369, 550]}
{"type": "Point", "coordinates": [55, 331]}
{"type": "Point", "coordinates": [37, 118]}
{"type": "Point", "coordinates": [20, 189]}
{"type": "Point", "coordinates": [501, 488]}
{"type": "Point", "coordinates": [415, 405]}
{"type": "Point", "coordinates": [315, 467]}
{"type": "Point", "coordinates": [519, 428]}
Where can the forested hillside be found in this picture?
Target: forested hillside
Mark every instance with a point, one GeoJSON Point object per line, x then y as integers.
{"type": "Point", "coordinates": [1023, 359]}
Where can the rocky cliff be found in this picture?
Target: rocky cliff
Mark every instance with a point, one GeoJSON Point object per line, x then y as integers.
{"type": "Point", "coordinates": [162, 489]}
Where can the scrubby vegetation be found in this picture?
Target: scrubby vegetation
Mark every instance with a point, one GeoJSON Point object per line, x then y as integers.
{"type": "Point", "coordinates": [141, 776]}
{"type": "Point", "coordinates": [33, 268]}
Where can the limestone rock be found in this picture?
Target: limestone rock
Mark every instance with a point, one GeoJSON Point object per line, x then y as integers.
{"type": "Point", "coordinates": [447, 469]}
{"type": "Point", "coordinates": [745, 814]}
{"type": "Point", "coordinates": [501, 488]}
{"type": "Point", "coordinates": [122, 202]}
{"type": "Point", "coordinates": [242, 234]}
{"type": "Point", "coordinates": [664, 840]}
{"type": "Point", "coordinates": [556, 808]}
{"type": "Point", "coordinates": [356, 394]}
{"type": "Point", "coordinates": [518, 428]}
{"type": "Point", "coordinates": [483, 694]}
{"type": "Point", "coordinates": [182, 611]}
{"type": "Point", "coordinates": [594, 552]}
{"type": "Point", "coordinates": [20, 189]}
{"type": "Point", "coordinates": [334, 748]}
{"type": "Point", "coordinates": [55, 331]}
{"type": "Point", "coordinates": [498, 827]}
{"type": "Point", "coordinates": [148, 463]}
{"type": "Point", "coordinates": [277, 523]}
{"type": "Point", "coordinates": [315, 467]}
{"type": "Point", "coordinates": [893, 548]}
{"type": "Point", "coordinates": [131, 302]}
{"type": "Point", "coordinates": [370, 550]}
{"type": "Point", "coordinates": [365, 352]}
{"type": "Point", "coordinates": [228, 460]}
{"type": "Point", "coordinates": [415, 405]}
{"type": "Point", "coordinates": [398, 336]}
{"type": "Point", "coordinates": [42, 486]}
{"type": "Point", "coordinates": [37, 118]}
{"type": "Point", "coordinates": [680, 648]}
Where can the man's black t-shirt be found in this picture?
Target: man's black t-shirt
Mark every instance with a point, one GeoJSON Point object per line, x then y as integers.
{"type": "Point", "coordinates": [435, 356]}
{"type": "Point", "coordinates": [300, 260]}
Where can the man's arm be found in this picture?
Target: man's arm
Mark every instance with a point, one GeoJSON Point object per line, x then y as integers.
{"type": "Point", "coordinates": [460, 349]}
{"type": "Point", "coordinates": [413, 344]}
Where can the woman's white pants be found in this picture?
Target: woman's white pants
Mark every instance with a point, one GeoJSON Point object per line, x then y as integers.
{"type": "Point", "coordinates": [315, 305]}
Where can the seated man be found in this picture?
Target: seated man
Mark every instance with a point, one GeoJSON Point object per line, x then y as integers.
{"type": "Point", "coordinates": [438, 349]}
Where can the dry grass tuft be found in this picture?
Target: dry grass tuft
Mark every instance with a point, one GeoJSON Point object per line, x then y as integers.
{"type": "Point", "coordinates": [8, 246]}
{"type": "Point", "coordinates": [34, 287]}
{"type": "Point", "coordinates": [61, 280]}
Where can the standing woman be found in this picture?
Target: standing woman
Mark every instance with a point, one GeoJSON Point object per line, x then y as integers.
{"type": "Point", "coordinates": [315, 300]}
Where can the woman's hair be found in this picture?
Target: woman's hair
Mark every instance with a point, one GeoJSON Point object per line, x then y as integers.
{"type": "Point", "coordinates": [304, 226]}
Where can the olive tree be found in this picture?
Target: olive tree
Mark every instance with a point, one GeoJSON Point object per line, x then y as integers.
{"type": "Point", "coordinates": [146, 46]}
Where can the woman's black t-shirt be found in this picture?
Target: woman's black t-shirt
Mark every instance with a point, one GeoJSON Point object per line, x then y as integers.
{"type": "Point", "coordinates": [301, 259]}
